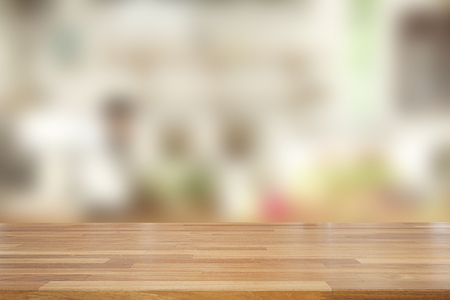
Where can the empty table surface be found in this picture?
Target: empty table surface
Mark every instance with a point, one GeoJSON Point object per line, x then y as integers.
{"type": "Point", "coordinates": [225, 261]}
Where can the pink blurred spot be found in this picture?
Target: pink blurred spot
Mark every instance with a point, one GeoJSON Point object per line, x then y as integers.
{"type": "Point", "coordinates": [276, 208]}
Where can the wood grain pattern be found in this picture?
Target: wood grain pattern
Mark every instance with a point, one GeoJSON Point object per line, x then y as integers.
{"type": "Point", "coordinates": [225, 261]}
{"type": "Point", "coordinates": [186, 286]}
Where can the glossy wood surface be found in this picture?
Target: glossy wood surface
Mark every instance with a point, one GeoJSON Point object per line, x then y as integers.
{"type": "Point", "coordinates": [225, 261]}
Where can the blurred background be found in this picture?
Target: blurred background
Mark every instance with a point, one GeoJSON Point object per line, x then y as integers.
{"type": "Point", "coordinates": [224, 110]}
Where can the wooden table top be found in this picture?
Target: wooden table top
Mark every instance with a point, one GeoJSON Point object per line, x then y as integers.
{"type": "Point", "coordinates": [225, 261]}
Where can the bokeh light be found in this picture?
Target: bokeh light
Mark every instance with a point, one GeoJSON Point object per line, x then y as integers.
{"type": "Point", "coordinates": [224, 110]}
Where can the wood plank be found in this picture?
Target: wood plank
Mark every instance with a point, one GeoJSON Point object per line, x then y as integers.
{"type": "Point", "coordinates": [225, 261]}
{"type": "Point", "coordinates": [52, 260]}
{"type": "Point", "coordinates": [186, 286]}
{"type": "Point", "coordinates": [402, 260]}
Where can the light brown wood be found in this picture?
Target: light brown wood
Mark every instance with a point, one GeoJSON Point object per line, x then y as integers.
{"type": "Point", "coordinates": [185, 286]}
{"type": "Point", "coordinates": [225, 261]}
